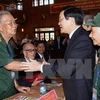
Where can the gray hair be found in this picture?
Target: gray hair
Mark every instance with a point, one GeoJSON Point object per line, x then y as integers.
{"type": "Point", "coordinates": [88, 18]}
{"type": "Point", "coordinates": [3, 12]}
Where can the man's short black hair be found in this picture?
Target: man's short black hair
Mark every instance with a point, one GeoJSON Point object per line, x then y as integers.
{"type": "Point", "coordinates": [76, 13]}
{"type": "Point", "coordinates": [64, 8]}
{"type": "Point", "coordinates": [39, 42]}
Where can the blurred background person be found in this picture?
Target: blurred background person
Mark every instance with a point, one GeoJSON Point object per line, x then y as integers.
{"type": "Point", "coordinates": [58, 42]}
{"type": "Point", "coordinates": [59, 45]}
{"type": "Point", "coordinates": [26, 39]}
{"type": "Point", "coordinates": [42, 52]}
{"type": "Point", "coordinates": [87, 19]}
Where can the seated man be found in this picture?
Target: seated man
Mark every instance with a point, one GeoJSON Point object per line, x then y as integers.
{"type": "Point", "coordinates": [42, 52]}
{"type": "Point", "coordinates": [28, 79]}
{"type": "Point", "coordinates": [42, 55]}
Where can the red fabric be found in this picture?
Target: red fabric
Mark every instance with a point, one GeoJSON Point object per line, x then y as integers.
{"type": "Point", "coordinates": [32, 79]}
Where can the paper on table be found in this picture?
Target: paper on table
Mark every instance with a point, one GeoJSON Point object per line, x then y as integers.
{"type": "Point", "coordinates": [25, 98]}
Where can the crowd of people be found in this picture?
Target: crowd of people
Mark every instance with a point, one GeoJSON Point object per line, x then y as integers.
{"type": "Point", "coordinates": [57, 45]}
{"type": "Point", "coordinates": [78, 70]}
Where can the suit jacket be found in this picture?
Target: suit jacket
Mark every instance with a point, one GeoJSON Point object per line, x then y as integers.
{"type": "Point", "coordinates": [46, 56]}
{"type": "Point", "coordinates": [79, 61]}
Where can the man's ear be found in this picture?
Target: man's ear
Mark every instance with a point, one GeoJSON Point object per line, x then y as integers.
{"type": "Point", "coordinates": [72, 20]}
{"type": "Point", "coordinates": [0, 28]}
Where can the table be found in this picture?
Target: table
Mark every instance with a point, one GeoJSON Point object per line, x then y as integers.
{"type": "Point", "coordinates": [36, 94]}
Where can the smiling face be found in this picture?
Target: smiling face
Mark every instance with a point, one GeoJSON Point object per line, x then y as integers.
{"type": "Point", "coordinates": [41, 48]}
{"type": "Point", "coordinates": [95, 35]}
{"type": "Point", "coordinates": [8, 25]}
{"type": "Point", "coordinates": [66, 25]}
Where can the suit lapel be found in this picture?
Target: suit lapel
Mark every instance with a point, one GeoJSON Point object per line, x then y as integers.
{"type": "Point", "coordinates": [23, 59]}
{"type": "Point", "coordinates": [72, 41]}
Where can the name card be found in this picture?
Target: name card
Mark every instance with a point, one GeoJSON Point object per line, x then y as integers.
{"type": "Point", "coordinates": [49, 96]}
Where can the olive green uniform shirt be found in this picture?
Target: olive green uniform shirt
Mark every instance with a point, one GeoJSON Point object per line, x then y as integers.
{"type": "Point", "coordinates": [6, 81]}
{"type": "Point", "coordinates": [96, 84]}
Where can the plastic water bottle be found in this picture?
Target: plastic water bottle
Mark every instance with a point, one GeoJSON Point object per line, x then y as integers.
{"type": "Point", "coordinates": [42, 88]}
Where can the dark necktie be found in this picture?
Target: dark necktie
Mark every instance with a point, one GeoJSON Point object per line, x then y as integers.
{"type": "Point", "coordinates": [9, 50]}
{"type": "Point", "coordinates": [11, 56]}
{"type": "Point", "coordinates": [43, 59]}
{"type": "Point", "coordinates": [68, 40]}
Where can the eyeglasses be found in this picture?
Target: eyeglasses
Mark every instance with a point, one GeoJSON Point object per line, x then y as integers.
{"type": "Point", "coordinates": [30, 50]}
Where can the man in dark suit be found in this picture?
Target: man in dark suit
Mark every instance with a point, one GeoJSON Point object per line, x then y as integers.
{"type": "Point", "coordinates": [77, 67]}
{"type": "Point", "coordinates": [28, 79]}
{"type": "Point", "coordinates": [41, 53]}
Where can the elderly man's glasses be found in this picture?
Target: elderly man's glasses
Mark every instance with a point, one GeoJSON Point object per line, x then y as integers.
{"type": "Point", "coordinates": [30, 50]}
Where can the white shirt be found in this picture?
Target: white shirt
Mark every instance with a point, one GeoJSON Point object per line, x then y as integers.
{"type": "Point", "coordinates": [26, 59]}
{"type": "Point", "coordinates": [40, 55]}
{"type": "Point", "coordinates": [70, 35]}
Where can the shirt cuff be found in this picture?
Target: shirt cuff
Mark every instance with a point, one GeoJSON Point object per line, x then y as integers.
{"type": "Point", "coordinates": [41, 68]}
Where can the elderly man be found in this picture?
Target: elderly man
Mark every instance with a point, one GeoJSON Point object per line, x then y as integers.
{"type": "Point", "coordinates": [95, 36]}
{"type": "Point", "coordinates": [8, 28]}
{"type": "Point", "coordinates": [79, 60]}
{"type": "Point", "coordinates": [28, 79]}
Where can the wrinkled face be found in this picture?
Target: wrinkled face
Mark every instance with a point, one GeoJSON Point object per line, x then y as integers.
{"type": "Point", "coordinates": [64, 24]}
{"type": "Point", "coordinates": [41, 48]}
{"type": "Point", "coordinates": [29, 51]}
{"type": "Point", "coordinates": [8, 26]}
{"type": "Point", "coordinates": [95, 35]}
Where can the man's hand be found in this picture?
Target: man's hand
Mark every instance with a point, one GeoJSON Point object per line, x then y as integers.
{"type": "Point", "coordinates": [32, 66]}
{"type": "Point", "coordinates": [45, 63]}
{"type": "Point", "coordinates": [21, 88]}
{"type": "Point", "coordinates": [36, 82]}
